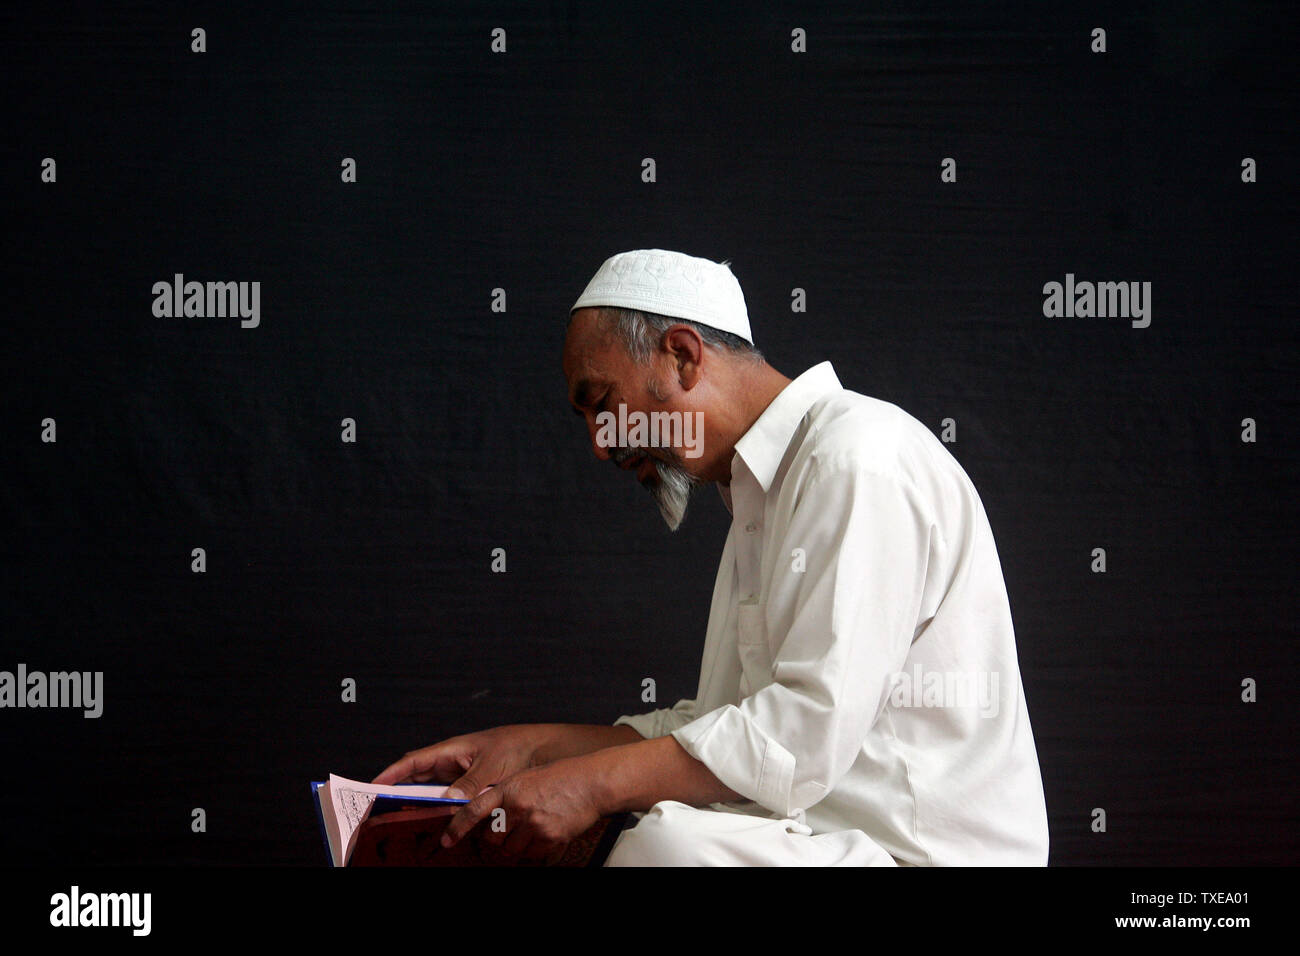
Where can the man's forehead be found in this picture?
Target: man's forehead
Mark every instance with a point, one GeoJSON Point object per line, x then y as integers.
{"type": "Point", "coordinates": [587, 359]}
{"type": "Point", "coordinates": [581, 375]}
{"type": "Point", "coordinates": [577, 364]}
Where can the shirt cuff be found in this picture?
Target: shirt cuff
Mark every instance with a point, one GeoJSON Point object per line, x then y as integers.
{"type": "Point", "coordinates": [742, 757]}
{"type": "Point", "coordinates": [643, 724]}
{"type": "Point", "coordinates": [657, 723]}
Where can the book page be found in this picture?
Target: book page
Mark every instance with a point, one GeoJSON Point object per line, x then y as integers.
{"type": "Point", "coordinates": [353, 801]}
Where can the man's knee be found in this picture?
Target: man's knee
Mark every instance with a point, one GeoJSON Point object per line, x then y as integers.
{"type": "Point", "coordinates": [660, 839]}
{"type": "Point", "coordinates": [673, 834]}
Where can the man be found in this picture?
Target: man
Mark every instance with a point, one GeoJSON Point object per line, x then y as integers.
{"type": "Point", "coordinates": [860, 698]}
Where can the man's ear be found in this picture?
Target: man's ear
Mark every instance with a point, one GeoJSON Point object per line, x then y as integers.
{"type": "Point", "coordinates": [686, 347]}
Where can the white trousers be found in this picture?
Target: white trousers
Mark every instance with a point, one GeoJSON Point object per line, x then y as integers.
{"type": "Point", "coordinates": [674, 834]}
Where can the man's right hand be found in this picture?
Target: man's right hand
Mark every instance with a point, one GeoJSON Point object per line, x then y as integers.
{"type": "Point", "coordinates": [472, 762]}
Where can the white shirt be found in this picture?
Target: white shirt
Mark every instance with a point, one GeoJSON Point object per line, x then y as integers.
{"type": "Point", "coordinates": [858, 612]}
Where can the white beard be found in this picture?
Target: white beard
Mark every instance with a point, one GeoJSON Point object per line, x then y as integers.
{"type": "Point", "coordinates": [671, 492]}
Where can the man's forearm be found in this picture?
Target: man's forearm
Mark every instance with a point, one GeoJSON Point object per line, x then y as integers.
{"type": "Point", "coordinates": [575, 740]}
{"type": "Point", "coordinates": [638, 775]}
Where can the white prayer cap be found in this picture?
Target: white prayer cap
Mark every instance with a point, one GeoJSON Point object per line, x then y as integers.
{"type": "Point", "coordinates": [673, 284]}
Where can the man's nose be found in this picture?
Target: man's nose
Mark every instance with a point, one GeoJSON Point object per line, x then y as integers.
{"type": "Point", "coordinates": [602, 453]}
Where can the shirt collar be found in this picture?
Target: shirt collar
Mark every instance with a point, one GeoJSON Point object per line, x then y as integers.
{"type": "Point", "coordinates": [763, 446]}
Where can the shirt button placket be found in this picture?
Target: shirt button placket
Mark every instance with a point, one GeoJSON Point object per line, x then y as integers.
{"type": "Point", "coordinates": [748, 566]}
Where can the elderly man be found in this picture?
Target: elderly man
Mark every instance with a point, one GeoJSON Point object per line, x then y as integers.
{"type": "Point", "coordinates": [859, 699]}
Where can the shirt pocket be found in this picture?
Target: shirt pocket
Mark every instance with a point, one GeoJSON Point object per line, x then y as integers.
{"type": "Point", "coordinates": [755, 658]}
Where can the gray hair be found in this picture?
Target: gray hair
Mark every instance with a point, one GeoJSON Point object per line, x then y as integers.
{"type": "Point", "coordinates": [640, 332]}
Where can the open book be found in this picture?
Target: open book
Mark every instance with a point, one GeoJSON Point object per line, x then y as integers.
{"type": "Point", "coordinates": [342, 805]}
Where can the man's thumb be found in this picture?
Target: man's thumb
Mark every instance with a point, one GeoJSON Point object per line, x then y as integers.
{"type": "Point", "coordinates": [464, 787]}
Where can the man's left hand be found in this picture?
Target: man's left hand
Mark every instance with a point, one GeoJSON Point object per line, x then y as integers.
{"type": "Point", "coordinates": [544, 808]}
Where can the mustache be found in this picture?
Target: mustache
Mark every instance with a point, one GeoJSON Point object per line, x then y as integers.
{"type": "Point", "coordinates": [675, 484]}
{"type": "Point", "coordinates": [620, 455]}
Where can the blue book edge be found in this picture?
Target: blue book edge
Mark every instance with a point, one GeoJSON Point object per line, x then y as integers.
{"type": "Point", "coordinates": [320, 819]}
{"type": "Point", "coordinates": [384, 803]}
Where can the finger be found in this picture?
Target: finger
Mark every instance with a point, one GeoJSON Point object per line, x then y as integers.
{"type": "Point", "coordinates": [400, 771]}
{"type": "Point", "coordinates": [498, 830]}
{"type": "Point", "coordinates": [419, 766]}
{"type": "Point", "coordinates": [415, 766]}
{"type": "Point", "coordinates": [473, 781]}
{"type": "Point", "coordinates": [469, 816]}
{"type": "Point", "coordinates": [493, 833]}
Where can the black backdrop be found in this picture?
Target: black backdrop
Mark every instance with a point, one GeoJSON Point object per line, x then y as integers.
{"type": "Point", "coordinates": [522, 171]}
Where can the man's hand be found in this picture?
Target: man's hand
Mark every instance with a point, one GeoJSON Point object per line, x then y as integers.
{"type": "Point", "coordinates": [478, 760]}
{"type": "Point", "coordinates": [541, 810]}
{"type": "Point", "coordinates": [472, 761]}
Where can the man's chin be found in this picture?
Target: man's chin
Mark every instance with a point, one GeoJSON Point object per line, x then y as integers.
{"type": "Point", "coordinates": [672, 492]}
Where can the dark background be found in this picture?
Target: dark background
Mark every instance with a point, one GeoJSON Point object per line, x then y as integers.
{"type": "Point", "coordinates": [522, 171]}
